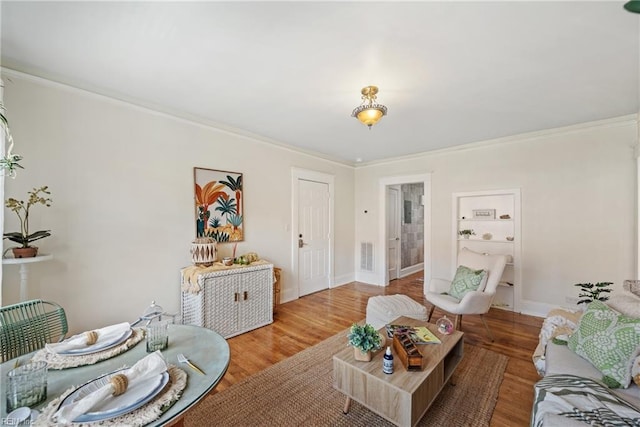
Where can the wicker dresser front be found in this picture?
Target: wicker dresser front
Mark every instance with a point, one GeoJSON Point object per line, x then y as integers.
{"type": "Point", "coordinates": [232, 301]}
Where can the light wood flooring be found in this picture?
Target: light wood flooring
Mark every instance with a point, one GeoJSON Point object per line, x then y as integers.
{"type": "Point", "coordinates": [307, 321]}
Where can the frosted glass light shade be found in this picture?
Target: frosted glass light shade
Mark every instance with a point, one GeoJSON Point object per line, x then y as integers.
{"type": "Point", "coordinates": [369, 112]}
{"type": "Point", "coordinates": [370, 116]}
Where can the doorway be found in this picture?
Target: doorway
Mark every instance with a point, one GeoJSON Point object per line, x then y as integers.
{"type": "Point", "coordinates": [424, 202]}
{"type": "Point", "coordinates": [312, 231]}
{"type": "Point", "coordinates": [393, 232]}
{"type": "Point", "coordinates": [412, 228]}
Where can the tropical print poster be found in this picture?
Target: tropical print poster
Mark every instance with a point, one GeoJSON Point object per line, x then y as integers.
{"type": "Point", "coordinates": [219, 203]}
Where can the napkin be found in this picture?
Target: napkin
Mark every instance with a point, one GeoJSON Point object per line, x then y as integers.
{"type": "Point", "coordinates": [148, 367]}
{"type": "Point", "coordinates": [106, 334]}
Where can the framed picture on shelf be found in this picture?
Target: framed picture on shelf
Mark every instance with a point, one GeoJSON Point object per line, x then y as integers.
{"type": "Point", "coordinates": [219, 205]}
{"type": "Point", "coordinates": [484, 213]}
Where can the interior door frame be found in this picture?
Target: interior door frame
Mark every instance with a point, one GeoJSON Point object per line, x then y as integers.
{"type": "Point", "coordinates": [398, 225]}
{"type": "Point", "coordinates": [382, 224]}
{"type": "Point", "coordinates": [309, 175]}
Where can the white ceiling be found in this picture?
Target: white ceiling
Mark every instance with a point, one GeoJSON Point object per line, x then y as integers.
{"type": "Point", "coordinates": [450, 73]}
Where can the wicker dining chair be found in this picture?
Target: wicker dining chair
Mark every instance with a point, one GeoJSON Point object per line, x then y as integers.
{"type": "Point", "coordinates": [27, 326]}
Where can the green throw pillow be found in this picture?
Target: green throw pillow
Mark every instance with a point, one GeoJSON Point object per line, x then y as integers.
{"type": "Point", "coordinates": [609, 340]}
{"type": "Point", "coordinates": [466, 280]}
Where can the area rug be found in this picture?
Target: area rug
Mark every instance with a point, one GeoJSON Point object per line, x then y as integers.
{"type": "Point", "coordinates": [298, 391]}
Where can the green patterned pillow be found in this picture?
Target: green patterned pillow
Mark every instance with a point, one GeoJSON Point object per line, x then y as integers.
{"type": "Point", "coordinates": [609, 340]}
{"type": "Point", "coordinates": [466, 280]}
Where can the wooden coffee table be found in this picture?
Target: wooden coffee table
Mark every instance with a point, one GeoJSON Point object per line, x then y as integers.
{"type": "Point", "coordinates": [402, 397]}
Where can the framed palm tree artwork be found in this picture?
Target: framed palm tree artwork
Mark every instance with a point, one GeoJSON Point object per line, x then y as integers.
{"type": "Point", "coordinates": [219, 205]}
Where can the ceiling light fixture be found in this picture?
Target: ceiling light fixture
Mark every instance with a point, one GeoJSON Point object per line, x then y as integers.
{"type": "Point", "coordinates": [633, 6]}
{"type": "Point", "coordinates": [369, 112]}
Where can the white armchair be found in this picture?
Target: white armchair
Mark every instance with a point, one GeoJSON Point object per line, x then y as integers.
{"type": "Point", "coordinates": [473, 302]}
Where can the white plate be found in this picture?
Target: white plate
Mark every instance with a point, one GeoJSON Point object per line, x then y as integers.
{"type": "Point", "coordinates": [99, 346]}
{"type": "Point", "coordinates": [135, 396]}
{"type": "Point", "coordinates": [18, 415]}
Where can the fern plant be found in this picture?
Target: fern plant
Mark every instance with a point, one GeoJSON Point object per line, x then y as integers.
{"type": "Point", "coordinates": [593, 292]}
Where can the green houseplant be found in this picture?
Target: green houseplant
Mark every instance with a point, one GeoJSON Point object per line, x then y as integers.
{"type": "Point", "coordinates": [364, 339]}
{"type": "Point", "coordinates": [590, 292]}
{"type": "Point", "coordinates": [10, 162]}
{"type": "Point", "coordinates": [466, 233]}
{"type": "Point", "coordinates": [21, 209]}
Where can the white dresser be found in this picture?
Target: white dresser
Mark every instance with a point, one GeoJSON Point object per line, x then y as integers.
{"type": "Point", "coordinates": [231, 301]}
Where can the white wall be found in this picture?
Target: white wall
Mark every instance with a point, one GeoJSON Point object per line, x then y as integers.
{"type": "Point", "coordinates": [122, 184]}
{"type": "Point", "coordinates": [122, 217]}
{"type": "Point", "coordinates": [578, 203]}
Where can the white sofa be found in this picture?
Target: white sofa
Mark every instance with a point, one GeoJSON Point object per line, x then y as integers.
{"type": "Point", "coordinates": [560, 396]}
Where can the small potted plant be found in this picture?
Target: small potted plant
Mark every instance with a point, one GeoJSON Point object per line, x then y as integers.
{"type": "Point", "coordinates": [364, 339]}
{"type": "Point", "coordinates": [590, 292]}
{"type": "Point", "coordinates": [10, 162]}
{"type": "Point", "coordinates": [466, 233]}
{"type": "Point", "coordinates": [21, 209]}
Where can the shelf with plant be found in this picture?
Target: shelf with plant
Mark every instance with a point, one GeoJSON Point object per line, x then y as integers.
{"type": "Point", "coordinates": [466, 233]}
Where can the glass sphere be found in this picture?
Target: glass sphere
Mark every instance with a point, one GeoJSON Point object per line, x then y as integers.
{"type": "Point", "coordinates": [445, 326]}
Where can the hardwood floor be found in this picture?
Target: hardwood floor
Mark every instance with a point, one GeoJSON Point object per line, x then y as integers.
{"type": "Point", "coordinates": [307, 321]}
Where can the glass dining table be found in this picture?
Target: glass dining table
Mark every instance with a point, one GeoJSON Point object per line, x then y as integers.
{"type": "Point", "coordinates": [204, 347]}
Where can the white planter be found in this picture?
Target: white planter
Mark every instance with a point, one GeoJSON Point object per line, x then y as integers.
{"type": "Point", "coordinates": [204, 251]}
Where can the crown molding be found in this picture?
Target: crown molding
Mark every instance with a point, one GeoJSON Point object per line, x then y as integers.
{"type": "Point", "coordinates": [629, 119]}
{"type": "Point", "coordinates": [173, 115]}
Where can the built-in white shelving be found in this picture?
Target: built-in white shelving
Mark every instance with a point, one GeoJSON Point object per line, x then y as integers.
{"type": "Point", "coordinates": [491, 236]}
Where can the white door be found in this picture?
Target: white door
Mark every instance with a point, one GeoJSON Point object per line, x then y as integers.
{"type": "Point", "coordinates": [393, 233]}
{"type": "Point", "coordinates": [313, 236]}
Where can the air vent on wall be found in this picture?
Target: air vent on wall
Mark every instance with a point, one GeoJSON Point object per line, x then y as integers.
{"type": "Point", "coordinates": [366, 256]}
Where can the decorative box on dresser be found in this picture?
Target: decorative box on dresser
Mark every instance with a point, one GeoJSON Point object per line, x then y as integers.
{"type": "Point", "coordinates": [230, 301]}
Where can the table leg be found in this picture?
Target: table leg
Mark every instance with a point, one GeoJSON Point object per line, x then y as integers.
{"type": "Point", "coordinates": [452, 381]}
{"type": "Point", "coordinates": [347, 405]}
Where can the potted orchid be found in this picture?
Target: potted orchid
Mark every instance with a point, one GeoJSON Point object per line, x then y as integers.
{"type": "Point", "coordinates": [37, 196]}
